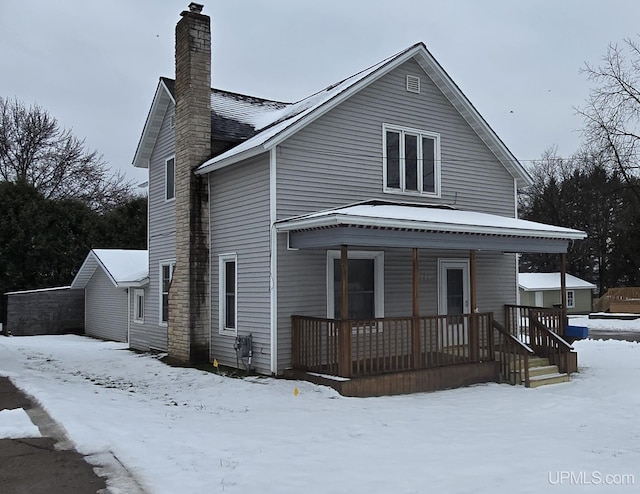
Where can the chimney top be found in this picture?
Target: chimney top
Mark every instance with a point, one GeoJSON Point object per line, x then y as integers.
{"type": "Point", "coordinates": [195, 7]}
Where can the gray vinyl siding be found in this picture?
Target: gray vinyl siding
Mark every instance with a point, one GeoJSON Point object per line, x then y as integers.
{"type": "Point", "coordinates": [106, 308]}
{"type": "Point", "coordinates": [341, 152]}
{"type": "Point", "coordinates": [240, 225]}
{"type": "Point", "coordinates": [495, 286]}
{"type": "Point", "coordinates": [337, 160]}
{"type": "Point", "coordinates": [151, 334]}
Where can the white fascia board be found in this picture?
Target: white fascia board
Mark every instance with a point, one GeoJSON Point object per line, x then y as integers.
{"type": "Point", "coordinates": [249, 153]}
{"type": "Point", "coordinates": [133, 283]}
{"type": "Point", "coordinates": [85, 272]}
{"type": "Point", "coordinates": [347, 220]}
{"type": "Point", "coordinates": [161, 100]}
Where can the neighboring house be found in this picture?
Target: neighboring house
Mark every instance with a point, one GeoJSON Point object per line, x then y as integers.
{"type": "Point", "coordinates": [385, 195]}
{"type": "Point", "coordinates": [113, 281]}
{"type": "Point", "coordinates": [543, 290]}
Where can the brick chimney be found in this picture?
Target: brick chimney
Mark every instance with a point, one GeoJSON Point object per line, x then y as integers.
{"type": "Point", "coordinates": [189, 313]}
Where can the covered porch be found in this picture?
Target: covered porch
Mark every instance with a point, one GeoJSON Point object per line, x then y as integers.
{"type": "Point", "coordinates": [366, 355]}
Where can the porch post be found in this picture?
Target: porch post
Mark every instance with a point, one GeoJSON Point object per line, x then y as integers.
{"type": "Point", "coordinates": [472, 281]}
{"type": "Point", "coordinates": [415, 323]}
{"type": "Point", "coordinates": [344, 354]}
{"type": "Point", "coordinates": [474, 336]}
{"type": "Point", "coordinates": [563, 292]}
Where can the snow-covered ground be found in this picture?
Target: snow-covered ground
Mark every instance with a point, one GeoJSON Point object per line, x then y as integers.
{"type": "Point", "coordinates": [186, 431]}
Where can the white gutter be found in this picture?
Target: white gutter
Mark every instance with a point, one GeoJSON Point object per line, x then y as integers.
{"type": "Point", "coordinates": [338, 219]}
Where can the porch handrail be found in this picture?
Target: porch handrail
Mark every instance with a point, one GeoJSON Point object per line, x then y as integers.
{"type": "Point", "coordinates": [351, 348]}
{"type": "Point", "coordinates": [513, 356]}
{"type": "Point", "coordinates": [548, 344]}
{"type": "Point", "coordinates": [516, 318]}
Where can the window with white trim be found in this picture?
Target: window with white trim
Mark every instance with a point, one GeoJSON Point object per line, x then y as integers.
{"type": "Point", "coordinates": [166, 275]}
{"type": "Point", "coordinates": [365, 287]}
{"type": "Point", "coordinates": [138, 305]}
{"type": "Point", "coordinates": [228, 293]}
{"type": "Point", "coordinates": [571, 299]}
{"type": "Point", "coordinates": [411, 161]}
{"type": "Point", "coordinates": [170, 179]}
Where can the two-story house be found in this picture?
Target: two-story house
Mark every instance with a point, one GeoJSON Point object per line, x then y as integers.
{"type": "Point", "coordinates": [368, 230]}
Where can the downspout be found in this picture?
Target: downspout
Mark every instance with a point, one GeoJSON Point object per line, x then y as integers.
{"type": "Point", "coordinates": [128, 316]}
{"type": "Point", "coordinates": [515, 211]}
{"type": "Point", "coordinates": [273, 264]}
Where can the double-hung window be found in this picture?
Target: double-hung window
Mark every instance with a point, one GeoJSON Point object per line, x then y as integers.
{"type": "Point", "coordinates": [228, 292]}
{"type": "Point", "coordinates": [170, 179]}
{"type": "Point", "coordinates": [571, 299]}
{"type": "Point", "coordinates": [411, 161]}
{"type": "Point", "coordinates": [138, 305]}
{"type": "Point", "coordinates": [166, 275]}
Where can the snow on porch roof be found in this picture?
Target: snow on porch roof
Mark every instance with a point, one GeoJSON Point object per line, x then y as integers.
{"type": "Point", "coordinates": [427, 218]}
{"type": "Point", "coordinates": [123, 267]}
{"type": "Point", "coordinates": [550, 281]}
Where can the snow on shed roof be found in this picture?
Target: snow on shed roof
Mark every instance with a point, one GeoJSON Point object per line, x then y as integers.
{"type": "Point", "coordinates": [550, 281]}
{"type": "Point", "coordinates": [124, 267]}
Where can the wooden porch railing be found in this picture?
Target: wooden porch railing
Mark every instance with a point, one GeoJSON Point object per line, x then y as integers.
{"type": "Point", "coordinates": [513, 356]}
{"type": "Point", "coordinates": [353, 348]}
{"type": "Point", "coordinates": [517, 317]}
{"type": "Point", "coordinates": [546, 343]}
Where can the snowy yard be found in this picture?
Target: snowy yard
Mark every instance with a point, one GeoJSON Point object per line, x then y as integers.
{"type": "Point", "coordinates": [188, 431]}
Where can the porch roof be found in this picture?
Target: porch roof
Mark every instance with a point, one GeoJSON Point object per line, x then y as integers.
{"type": "Point", "coordinates": [384, 224]}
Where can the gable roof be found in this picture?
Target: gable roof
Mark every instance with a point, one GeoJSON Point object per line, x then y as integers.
{"type": "Point", "coordinates": [550, 281]}
{"type": "Point", "coordinates": [274, 127]}
{"type": "Point", "coordinates": [124, 268]}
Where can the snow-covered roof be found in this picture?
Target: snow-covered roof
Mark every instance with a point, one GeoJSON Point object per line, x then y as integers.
{"type": "Point", "coordinates": [427, 218]}
{"type": "Point", "coordinates": [124, 267]}
{"type": "Point", "coordinates": [550, 281]}
{"type": "Point", "coordinates": [276, 124]}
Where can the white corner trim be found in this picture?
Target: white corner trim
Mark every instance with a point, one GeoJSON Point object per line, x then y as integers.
{"type": "Point", "coordinates": [273, 265]}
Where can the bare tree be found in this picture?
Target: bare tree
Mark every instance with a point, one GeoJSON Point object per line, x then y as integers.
{"type": "Point", "coordinates": [612, 111]}
{"type": "Point", "coordinates": [35, 150]}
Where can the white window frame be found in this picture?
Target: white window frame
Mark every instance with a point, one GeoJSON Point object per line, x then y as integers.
{"type": "Point", "coordinates": [571, 299]}
{"type": "Point", "coordinates": [378, 257]}
{"type": "Point", "coordinates": [172, 267]}
{"type": "Point", "coordinates": [223, 259]}
{"type": "Point", "coordinates": [138, 303]}
{"type": "Point", "coordinates": [436, 165]}
{"type": "Point", "coordinates": [166, 189]}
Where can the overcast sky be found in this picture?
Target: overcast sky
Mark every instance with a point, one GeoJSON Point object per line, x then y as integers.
{"type": "Point", "coordinates": [94, 65]}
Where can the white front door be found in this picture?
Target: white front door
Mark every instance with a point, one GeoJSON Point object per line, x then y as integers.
{"type": "Point", "coordinates": [453, 300]}
{"type": "Point", "coordinates": [453, 286]}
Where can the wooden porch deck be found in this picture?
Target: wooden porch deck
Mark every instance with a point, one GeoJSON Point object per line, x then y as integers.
{"type": "Point", "coordinates": [389, 356]}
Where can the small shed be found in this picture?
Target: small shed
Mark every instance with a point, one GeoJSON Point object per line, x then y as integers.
{"type": "Point", "coordinates": [106, 276]}
{"type": "Point", "coordinates": [543, 290]}
{"type": "Point", "coordinates": [57, 310]}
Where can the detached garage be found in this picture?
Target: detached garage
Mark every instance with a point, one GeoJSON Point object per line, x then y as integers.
{"type": "Point", "coordinates": [107, 275]}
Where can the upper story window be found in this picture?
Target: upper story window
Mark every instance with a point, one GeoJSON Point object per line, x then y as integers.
{"type": "Point", "coordinates": [411, 160]}
{"type": "Point", "coordinates": [170, 179]}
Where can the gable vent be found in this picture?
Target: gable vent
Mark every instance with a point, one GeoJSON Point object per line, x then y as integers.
{"type": "Point", "coordinates": [413, 84]}
{"type": "Point", "coordinates": [172, 121]}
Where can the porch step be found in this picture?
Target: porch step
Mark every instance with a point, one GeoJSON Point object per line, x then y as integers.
{"type": "Point", "coordinates": [541, 370]}
{"type": "Point", "coordinates": [544, 379]}
{"type": "Point", "coordinates": [538, 362]}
